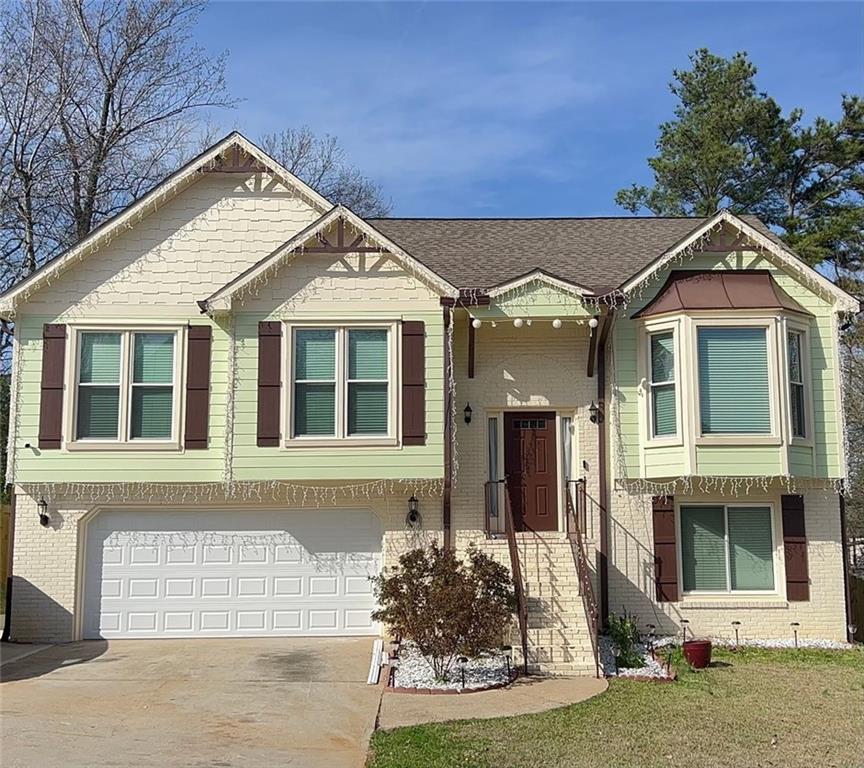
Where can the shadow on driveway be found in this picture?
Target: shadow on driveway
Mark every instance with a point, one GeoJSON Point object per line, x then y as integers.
{"type": "Point", "coordinates": [52, 658]}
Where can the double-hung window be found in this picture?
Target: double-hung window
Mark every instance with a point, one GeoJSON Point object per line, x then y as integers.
{"type": "Point", "coordinates": [342, 383]}
{"type": "Point", "coordinates": [126, 385]}
{"type": "Point", "coordinates": [795, 347]}
{"type": "Point", "coordinates": [727, 548]}
{"type": "Point", "coordinates": [663, 396]}
{"type": "Point", "coordinates": [734, 390]}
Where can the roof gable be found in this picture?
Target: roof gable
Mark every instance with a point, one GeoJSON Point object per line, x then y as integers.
{"type": "Point", "coordinates": [353, 234]}
{"type": "Point", "coordinates": [232, 154]}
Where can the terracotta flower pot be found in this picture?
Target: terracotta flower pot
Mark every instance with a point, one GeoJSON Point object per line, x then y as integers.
{"type": "Point", "coordinates": [697, 653]}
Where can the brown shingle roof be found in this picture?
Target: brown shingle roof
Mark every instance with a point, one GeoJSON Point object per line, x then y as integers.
{"type": "Point", "coordinates": [598, 253]}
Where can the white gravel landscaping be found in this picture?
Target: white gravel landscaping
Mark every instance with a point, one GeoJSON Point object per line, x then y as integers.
{"type": "Point", "coordinates": [767, 643]}
{"type": "Point", "coordinates": [653, 668]}
{"type": "Point", "coordinates": [413, 671]}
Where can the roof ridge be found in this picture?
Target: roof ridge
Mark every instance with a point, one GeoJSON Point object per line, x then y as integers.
{"type": "Point", "coordinates": [536, 218]}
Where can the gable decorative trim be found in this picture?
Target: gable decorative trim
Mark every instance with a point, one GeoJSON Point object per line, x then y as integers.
{"type": "Point", "coordinates": [538, 276]}
{"type": "Point", "coordinates": [698, 240]}
{"type": "Point", "coordinates": [365, 240]}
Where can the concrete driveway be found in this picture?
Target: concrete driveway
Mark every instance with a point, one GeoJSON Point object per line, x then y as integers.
{"type": "Point", "coordinates": [193, 703]}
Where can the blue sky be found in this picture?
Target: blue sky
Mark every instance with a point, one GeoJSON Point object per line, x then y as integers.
{"type": "Point", "coordinates": [511, 109]}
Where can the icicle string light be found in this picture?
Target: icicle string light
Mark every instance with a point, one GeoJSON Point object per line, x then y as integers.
{"type": "Point", "coordinates": [276, 491]}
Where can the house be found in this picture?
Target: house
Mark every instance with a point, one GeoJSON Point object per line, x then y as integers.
{"type": "Point", "coordinates": [234, 402]}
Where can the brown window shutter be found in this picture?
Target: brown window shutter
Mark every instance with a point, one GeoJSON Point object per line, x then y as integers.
{"type": "Point", "coordinates": [51, 402]}
{"type": "Point", "coordinates": [413, 382]}
{"type": "Point", "coordinates": [795, 548]}
{"type": "Point", "coordinates": [269, 382]}
{"type": "Point", "coordinates": [665, 549]}
{"type": "Point", "coordinates": [199, 343]}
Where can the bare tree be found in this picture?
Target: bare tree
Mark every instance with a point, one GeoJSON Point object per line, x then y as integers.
{"type": "Point", "coordinates": [322, 163]}
{"type": "Point", "coordinates": [99, 99]}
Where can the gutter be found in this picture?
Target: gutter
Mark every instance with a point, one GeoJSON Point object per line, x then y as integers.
{"type": "Point", "coordinates": [847, 587]}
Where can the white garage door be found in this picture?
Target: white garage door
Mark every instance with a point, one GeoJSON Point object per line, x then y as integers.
{"type": "Point", "coordinates": [218, 573]}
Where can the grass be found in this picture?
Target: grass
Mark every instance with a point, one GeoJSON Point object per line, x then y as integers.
{"type": "Point", "coordinates": [754, 707]}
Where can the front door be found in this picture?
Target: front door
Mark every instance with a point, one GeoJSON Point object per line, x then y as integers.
{"type": "Point", "coordinates": [531, 469]}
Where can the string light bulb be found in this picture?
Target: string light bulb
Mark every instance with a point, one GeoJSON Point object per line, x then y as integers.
{"type": "Point", "coordinates": [475, 323]}
{"type": "Point", "coordinates": [556, 323]}
{"type": "Point", "coordinates": [518, 322]}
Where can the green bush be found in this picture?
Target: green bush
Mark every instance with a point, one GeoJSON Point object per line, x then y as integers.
{"type": "Point", "coordinates": [625, 635]}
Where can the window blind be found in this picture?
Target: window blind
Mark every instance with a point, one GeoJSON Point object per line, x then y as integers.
{"type": "Point", "coordinates": [98, 414]}
{"type": "Point", "coordinates": [152, 406]}
{"type": "Point", "coordinates": [733, 381]}
{"type": "Point", "coordinates": [153, 359]}
{"type": "Point", "coordinates": [367, 400]}
{"type": "Point", "coordinates": [315, 361]}
{"type": "Point", "coordinates": [751, 549]}
{"type": "Point", "coordinates": [663, 394]}
{"type": "Point", "coordinates": [703, 549]}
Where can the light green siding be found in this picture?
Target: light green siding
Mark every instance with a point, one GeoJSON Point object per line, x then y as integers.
{"type": "Point", "coordinates": [113, 466]}
{"type": "Point", "coordinates": [338, 464]}
{"type": "Point", "coordinates": [823, 459]}
{"type": "Point", "coordinates": [535, 299]}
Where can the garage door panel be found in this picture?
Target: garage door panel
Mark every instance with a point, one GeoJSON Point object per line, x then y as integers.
{"type": "Point", "coordinates": [176, 574]}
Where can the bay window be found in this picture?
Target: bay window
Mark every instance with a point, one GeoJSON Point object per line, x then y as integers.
{"type": "Point", "coordinates": [125, 386]}
{"type": "Point", "coordinates": [727, 548]}
{"type": "Point", "coordinates": [342, 383]}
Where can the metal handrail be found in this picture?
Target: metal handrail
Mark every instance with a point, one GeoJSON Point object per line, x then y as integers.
{"type": "Point", "coordinates": [576, 515]}
{"type": "Point", "coordinates": [492, 510]}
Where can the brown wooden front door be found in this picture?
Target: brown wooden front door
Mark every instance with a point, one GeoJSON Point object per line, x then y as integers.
{"type": "Point", "coordinates": [531, 469]}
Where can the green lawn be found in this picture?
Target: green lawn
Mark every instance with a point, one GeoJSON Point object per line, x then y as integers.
{"type": "Point", "coordinates": [752, 708]}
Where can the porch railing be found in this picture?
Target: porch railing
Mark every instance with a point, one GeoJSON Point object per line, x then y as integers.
{"type": "Point", "coordinates": [577, 516]}
{"type": "Point", "coordinates": [492, 511]}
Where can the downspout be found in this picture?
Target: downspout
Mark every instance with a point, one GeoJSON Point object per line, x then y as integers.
{"type": "Point", "coordinates": [448, 428]}
{"type": "Point", "coordinates": [847, 587]}
{"type": "Point", "coordinates": [7, 625]}
{"type": "Point", "coordinates": [603, 469]}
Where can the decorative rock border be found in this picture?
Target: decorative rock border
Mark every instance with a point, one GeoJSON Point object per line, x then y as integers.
{"type": "Point", "coordinates": [392, 688]}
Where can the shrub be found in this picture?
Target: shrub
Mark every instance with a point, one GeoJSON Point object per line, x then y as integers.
{"type": "Point", "coordinates": [445, 606]}
{"type": "Point", "coordinates": [625, 635]}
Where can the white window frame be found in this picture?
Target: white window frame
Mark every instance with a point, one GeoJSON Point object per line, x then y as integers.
{"type": "Point", "coordinates": [650, 329]}
{"type": "Point", "coordinates": [342, 438]}
{"type": "Point", "coordinates": [771, 342]}
{"type": "Point", "coordinates": [803, 330]}
{"type": "Point", "coordinates": [776, 548]}
{"type": "Point", "coordinates": [123, 441]}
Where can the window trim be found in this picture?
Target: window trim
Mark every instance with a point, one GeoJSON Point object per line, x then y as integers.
{"type": "Point", "coordinates": [127, 330]}
{"type": "Point", "coordinates": [342, 439]}
{"type": "Point", "coordinates": [730, 594]}
{"type": "Point", "coordinates": [748, 320]}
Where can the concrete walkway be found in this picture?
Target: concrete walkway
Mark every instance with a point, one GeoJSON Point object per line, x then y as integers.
{"type": "Point", "coordinates": [524, 697]}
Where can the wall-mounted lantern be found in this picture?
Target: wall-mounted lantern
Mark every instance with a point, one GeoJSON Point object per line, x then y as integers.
{"type": "Point", "coordinates": [468, 413]}
{"type": "Point", "coordinates": [413, 518]}
{"type": "Point", "coordinates": [42, 509]}
{"type": "Point", "coordinates": [595, 413]}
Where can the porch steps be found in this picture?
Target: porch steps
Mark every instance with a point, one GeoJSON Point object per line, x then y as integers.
{"type": "Point", "coordinates": [559, 640]}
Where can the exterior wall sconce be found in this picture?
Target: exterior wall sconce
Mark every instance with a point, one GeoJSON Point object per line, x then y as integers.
{"type": "Point", "coordinates": [413, 518]}
{"type": "Point", "coordinates": [468, 413]}
{"type": "Point", "coordinates": [596, 413]}
{"type": "Point", "coordinates": [42, 508]}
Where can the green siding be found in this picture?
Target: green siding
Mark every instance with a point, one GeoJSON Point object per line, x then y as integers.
{"type": "Point", "coordinates": [60, 466]}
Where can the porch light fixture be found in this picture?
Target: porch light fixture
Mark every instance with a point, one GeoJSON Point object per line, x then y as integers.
{"type": "Point", "coordinates": [518, 322]}
{"type": "Point", "coordinates": [556, 323]}
{"type": "Point", "coordinates": [468, 413]}
{"type": "Point", "coordinates": [413, 518]}
{"type": "Point", "coordinates": [596, 414]}
{"type": "Point", "coordinates": [475, 323]}
{"type": "Point", "coordinates": [42, 508]}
